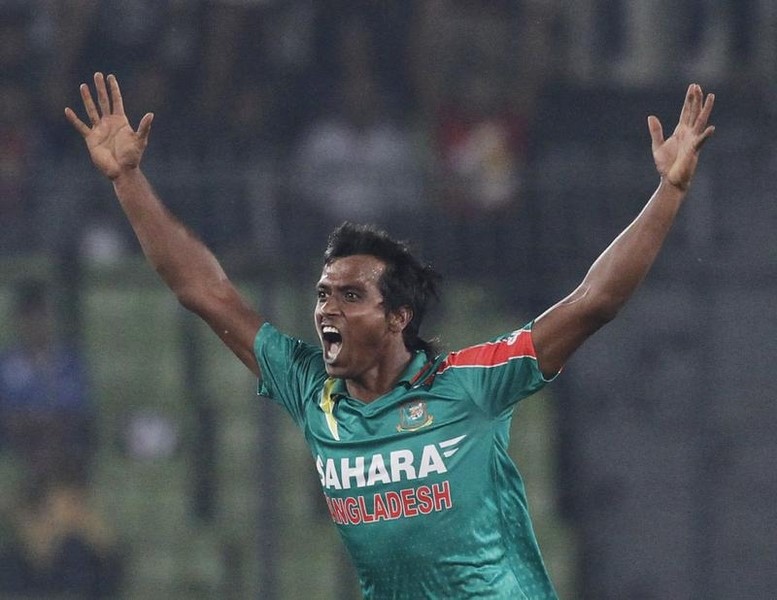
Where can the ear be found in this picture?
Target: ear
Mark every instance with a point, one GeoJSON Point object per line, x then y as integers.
{"type": "Point", "coordinates": [400, 318]}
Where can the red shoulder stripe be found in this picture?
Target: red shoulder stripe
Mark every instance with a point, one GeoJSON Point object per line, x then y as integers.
{"type": "Point", "coordinates": [492, 354]}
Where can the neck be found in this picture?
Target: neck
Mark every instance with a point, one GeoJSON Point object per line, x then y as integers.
{"type": "Point", "coordinates": [379, 380]}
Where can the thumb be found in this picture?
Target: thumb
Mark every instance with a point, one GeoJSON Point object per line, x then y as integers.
{"type": "Point", "coordinates": [656, 132]}
{"type": "Point", "coordinates": [144, 128]}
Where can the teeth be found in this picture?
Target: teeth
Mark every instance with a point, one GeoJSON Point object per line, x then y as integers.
{"type": "Point", "coordinates": [329, 329]}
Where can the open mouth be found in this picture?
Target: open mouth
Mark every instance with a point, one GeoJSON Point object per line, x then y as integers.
{"type": "Point", "coordinates": [332, 342]}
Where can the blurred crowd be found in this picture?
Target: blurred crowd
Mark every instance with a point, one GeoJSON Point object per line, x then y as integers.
{"type": "Point", "coordinates": [291, 116]}
{"type": "Point", "coordinates": [368, 111]}
{"type": "Point", "coordinates": [52, 540]}
{"type": "Point", "coordinates": [273, 117]}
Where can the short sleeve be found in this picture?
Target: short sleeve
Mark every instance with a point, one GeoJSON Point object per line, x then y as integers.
{"type": "Point", "coordinates": [292, 370]}
{"type": "Point", "coordinates": [498, 373]}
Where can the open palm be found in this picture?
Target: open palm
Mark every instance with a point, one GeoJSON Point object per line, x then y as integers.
{"type": "Point", "coordinates": [112, 143]}
{"type": "Point", "coordinates": [676, 157]}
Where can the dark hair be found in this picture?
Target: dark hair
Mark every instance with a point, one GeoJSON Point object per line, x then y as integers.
{"type": "Point", "coordinates": [406, 281]}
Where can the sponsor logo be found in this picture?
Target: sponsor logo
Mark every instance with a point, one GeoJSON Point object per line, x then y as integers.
{"type": "Point", "coordinates": [404, 465]}
{"type": "Point", "coordinates": [394, 467]}
{"type": "Point", "coordinates": [387, 506]}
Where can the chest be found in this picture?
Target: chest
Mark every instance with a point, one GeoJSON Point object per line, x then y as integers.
{"type": "Point", "coordinates": [405, 439]}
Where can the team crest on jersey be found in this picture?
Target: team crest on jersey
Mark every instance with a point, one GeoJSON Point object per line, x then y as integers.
{"type": "Point", "coordinates": [414, 415]}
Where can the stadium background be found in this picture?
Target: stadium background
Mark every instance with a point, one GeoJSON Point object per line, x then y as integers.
{"type": "Point", "coordinates": [508, 139]}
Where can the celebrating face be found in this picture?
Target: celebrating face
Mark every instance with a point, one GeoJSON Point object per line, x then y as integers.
{"type": "Point", "coordinates": [357, 334]}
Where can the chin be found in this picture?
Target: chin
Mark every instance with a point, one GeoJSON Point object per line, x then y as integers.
{"type": "Point", "coordinates": [338, 371]}
{"type": "Point", "coordinates": [333, 370]}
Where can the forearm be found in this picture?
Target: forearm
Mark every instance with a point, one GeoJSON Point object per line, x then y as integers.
{"type": "Point", "coordinates": [183, 262]}
{"type": "Point", "coordinates": [619, 270]}
{"type": "Point", "coordinates": [616, 274]}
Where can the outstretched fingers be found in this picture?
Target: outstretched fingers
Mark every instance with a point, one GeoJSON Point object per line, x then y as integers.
{"type": "Point", "coordinates": [696, 98]}
{"type": "Point", "coordinates": [702, 129]}
{"type": "Point", "coordinates": [89, 105]}
{"type": "Point", "coordinates": [685, 113]}
{"type": "Point", "coordinates": [706, 110]}
{"type": "Point", "coordinates": [109, 102]}
{"type": "Point", "coordinates": [118, 102]}
{"type": "Point", "coordinates": [102, 94]}
{"type": "Point", "coordinates": [144, 128]}
{"type": "Point", "coordinates": [705, 135]}
{"type": "Point", "coordinates": [656, 132]}
{"type": "Point", "coordinates": [79, 125]}
{"type": "Point", "coordinates": [91, 112]}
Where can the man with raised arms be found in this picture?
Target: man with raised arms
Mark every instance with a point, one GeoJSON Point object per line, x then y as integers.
{"type": "Point", "coordinates": [410, 444]}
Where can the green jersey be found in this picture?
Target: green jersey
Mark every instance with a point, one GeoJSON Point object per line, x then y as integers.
{"type": "Point", "coordinates": [419, 481]}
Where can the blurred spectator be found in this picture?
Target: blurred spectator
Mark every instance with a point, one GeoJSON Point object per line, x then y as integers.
{"type": "Point", "coordinates": [452, 37]}
{"type": "Point", "coordinates": [478, 91]}
{"type": "Point", "coordinates": [297, 47]}
{"type": "Point", "coordinates": [232, 48]}
{"type": "Point", "coordinates": [482, 146]}
{"type": "Point", "coordinates": [71, 40]}
{"type": "Point", "coordinates": [245, 206]}
{"type": "Point", "coordinates": [57, 546]}
{"type": "Point", "coordinates": [45, 412]}
{"type": "Point", "coordinates": [340, 50]}
{"type": "Point", "coordinates": [356, 162]}
{"type": "Point", "coordinates": [55, 542]}
{"type": "Point", "coordinates": [57, 33]}
{"type": "Point", "coordinates": [261, 44]}
{"type": "Point", "coordinates": [481, 151]}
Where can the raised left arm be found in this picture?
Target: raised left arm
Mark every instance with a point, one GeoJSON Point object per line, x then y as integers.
{"type": "Point", "coordinates": [619, 270]}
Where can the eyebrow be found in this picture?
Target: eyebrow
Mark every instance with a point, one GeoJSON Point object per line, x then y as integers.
{"type": "Point", "coordinates": [341, 288]}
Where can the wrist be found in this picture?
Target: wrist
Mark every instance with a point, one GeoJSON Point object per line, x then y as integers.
{"type": "Point", "coordinates": [671, 188]}
{"type": "Point", "coordinates": [126, 175]}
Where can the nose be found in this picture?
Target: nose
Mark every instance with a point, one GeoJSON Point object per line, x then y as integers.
{"type": "Point", "coordinates": [329, 305]}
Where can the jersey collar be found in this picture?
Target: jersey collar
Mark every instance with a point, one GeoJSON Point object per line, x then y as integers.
{"type": "Point", "coordinates": [413, 374]}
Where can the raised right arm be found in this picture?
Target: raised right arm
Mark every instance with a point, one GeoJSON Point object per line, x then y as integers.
{"type": "Point", "coordinates": [184, 263]}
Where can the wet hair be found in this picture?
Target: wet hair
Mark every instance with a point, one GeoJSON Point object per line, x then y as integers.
{"type": "Point", "coordinates": [405, 282]}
